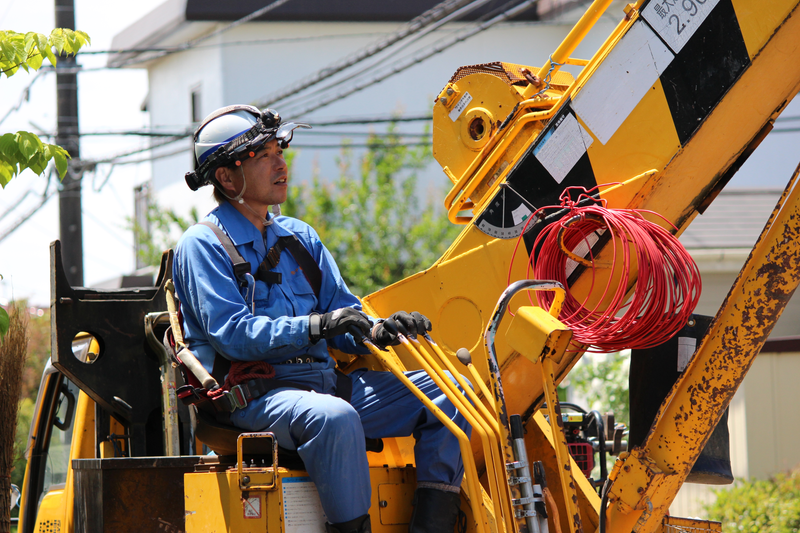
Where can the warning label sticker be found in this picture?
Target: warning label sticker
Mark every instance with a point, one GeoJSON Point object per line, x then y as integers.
{"type": "Point", "coordinates": [252, 507]}
{"type": "Point", "coordinates": [302, 510]}
{"type": "Point", "coordinates": [460, 107]}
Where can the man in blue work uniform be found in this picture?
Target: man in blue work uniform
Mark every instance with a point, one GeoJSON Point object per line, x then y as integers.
{"type": "Point", "coordinates": [283, 317]}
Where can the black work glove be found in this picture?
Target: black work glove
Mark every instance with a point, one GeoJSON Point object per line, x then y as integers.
{"type": "Point", "coordinates": [336, 323]}
{"type": "Point", "coordinates": [385, 333]}
{"type": "Point", "coordinates": [415, 323]}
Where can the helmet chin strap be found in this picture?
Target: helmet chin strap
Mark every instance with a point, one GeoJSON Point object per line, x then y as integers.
{"type": "Point", "coordinates": [239, 200]}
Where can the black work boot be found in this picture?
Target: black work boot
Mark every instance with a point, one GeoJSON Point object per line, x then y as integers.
{"type": "Point", "coordinates": [435, 511]}
{"type": "Point", "coordinates": [356, 525]}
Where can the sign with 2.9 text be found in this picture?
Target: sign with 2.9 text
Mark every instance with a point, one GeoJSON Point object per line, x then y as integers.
{"type": "Point", "coordinates": [675, 21]}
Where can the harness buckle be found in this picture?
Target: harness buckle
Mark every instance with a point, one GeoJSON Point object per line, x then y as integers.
{"type": "Point", "coordinates": [231, 400]}
{"type": "Point", "coordinates": [238, 398]}
{"type": "Point", "coordinates": [240, 270]}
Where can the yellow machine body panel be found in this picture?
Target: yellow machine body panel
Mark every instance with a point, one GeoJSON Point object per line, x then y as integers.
{"type": "Point", "coordinates": [660, 117]}
{"type": "Point", "coordinates": [681, 168]}
{"type": "Point", "coordinates": [215, 502]}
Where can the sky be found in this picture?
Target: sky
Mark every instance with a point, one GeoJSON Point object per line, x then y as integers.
{"type": "Point", "coordinates": [111, 100]}
{"type": "Point", "coordinates": [108, 100]}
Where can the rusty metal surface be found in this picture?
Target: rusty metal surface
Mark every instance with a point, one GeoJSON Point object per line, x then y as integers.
{"type": "Point", "coordinates": [130, 494]}
{"type": "Point", "coordinates": [696, 402]}
{"type": "Point", "coordinates": [565, 475]}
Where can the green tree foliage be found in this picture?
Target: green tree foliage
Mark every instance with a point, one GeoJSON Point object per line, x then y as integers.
{"type": "Point", "coordinates": [760, 506]}
{"type": "Point", "coordinates": [370, 217]}
{"type": "Point", "coordinates": [603, 378]}
{"type": "Point", "coordinates": [27, 51]}
{"type": "Point", "coordinates": [161, 232]}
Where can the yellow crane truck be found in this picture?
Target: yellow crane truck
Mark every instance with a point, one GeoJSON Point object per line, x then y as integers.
{"type": "Point", "coordinates": [659, 119]}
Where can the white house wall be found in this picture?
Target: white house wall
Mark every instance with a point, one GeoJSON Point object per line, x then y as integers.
{"type": "Point", "coordinates": [237, 73]}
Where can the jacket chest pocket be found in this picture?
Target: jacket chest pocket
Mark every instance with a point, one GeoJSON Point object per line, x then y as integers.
{"type": "Point", "coordinates": [302, 295]}
{"type": "Point", "coordinates": [293, 297]}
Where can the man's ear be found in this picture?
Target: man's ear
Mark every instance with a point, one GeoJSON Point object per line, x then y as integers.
{"type": "Point", "coordinates": [224, 177]}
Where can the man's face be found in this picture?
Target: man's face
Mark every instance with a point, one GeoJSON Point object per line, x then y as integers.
{"type": "Point", "coordinates": [267, 177]}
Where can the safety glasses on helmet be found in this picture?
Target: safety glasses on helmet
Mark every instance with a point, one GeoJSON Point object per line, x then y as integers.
{"type": "Point", "coordinates": [267, 127]}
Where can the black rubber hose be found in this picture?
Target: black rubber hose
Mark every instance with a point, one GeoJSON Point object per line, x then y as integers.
{"type": "Point", "coordinates": [601, 433]}
{"type": "Point", "coordinates": [603, 505]}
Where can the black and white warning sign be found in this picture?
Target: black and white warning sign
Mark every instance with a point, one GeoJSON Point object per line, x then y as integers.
{"type": "Point", "coordinates": [675, 21]}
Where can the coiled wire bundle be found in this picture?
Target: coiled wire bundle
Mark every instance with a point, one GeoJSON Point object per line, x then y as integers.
{"type": "Point", "coordinates": [664, 293]}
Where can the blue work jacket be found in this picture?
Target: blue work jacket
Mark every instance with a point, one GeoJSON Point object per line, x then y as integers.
{"type": "Point", "coordinates": [259, 322]}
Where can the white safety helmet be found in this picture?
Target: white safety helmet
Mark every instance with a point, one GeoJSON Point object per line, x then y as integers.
{"type": "Point", "coordinates": [234, 133]}
{"type": "Point", "coordinates": [221, 130]}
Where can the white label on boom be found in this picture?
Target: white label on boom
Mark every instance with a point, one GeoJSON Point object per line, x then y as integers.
{"type": "Point", "coordinates": [675, 21]}
{"type": "Point", "coordinates": [563, 146]}
{"type": "Point", "coordinates": [460, 106]}
{"type": "Point", "coordinates": [621, 81]}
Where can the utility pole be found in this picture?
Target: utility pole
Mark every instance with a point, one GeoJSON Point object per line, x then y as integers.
{"type": "Point", "coordinates": [67, 135]}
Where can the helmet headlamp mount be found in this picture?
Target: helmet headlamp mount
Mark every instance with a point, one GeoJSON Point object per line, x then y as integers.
{"type": "Point", "coordinates": [268, 126]}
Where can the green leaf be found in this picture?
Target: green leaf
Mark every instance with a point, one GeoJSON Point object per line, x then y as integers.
{"type": "Point", "coordinates": [72, 45]}
{"type": "Point", "coordinates": [9, 54]}
{"type": "Point", "coordinates": [41, 44]}
{"type": "Point", "coordinates": [38, 162]}
{"type": "Point", "coordinates": [83, 37]}
{"type": "Point", "coordinates": [57, 39]}
{"type": "Point", "coordinates": [6, 173]}
{"type": "Point", "coordinates": [30, 41]}
{"type": "Point", "coordinates": [60, 158]}
{"type": "Point", "coordinates": [48, 52]}
{"type": "Point", "coordinates": [18, 45]}
{"type": "Point", "coordinates": [35, 61]}
{"type": "Point", "coordinates": [8, 146]}
{"type": "Point", "coordinates": [3, 322]}
{"type": "Point", "coordinates": [29, 144]}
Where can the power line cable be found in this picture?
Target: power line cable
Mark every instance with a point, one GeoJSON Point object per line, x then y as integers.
{"type": "Point", "coordinates": [88, 164]}
{"type": "Point", "coordinates": [24, 97]}
{"type": "Point", "coordinates": [361, 145]}
{"type": "Point", "coordinates": [187, 132]}
{"type": "Point", "coordinates": [313, 133]}
{"type": "Point", "coordinates": [194, 42]}
{"type": "Point", "coordinates": [419, 57]}
{"type": "Point", "coordinates": [414, 25]}
{"type": "Point", "coordinates": [419, 35]}
{"type": "Point", "coordinates": [231, 43]}
{"type": "Point", "coordinates": [24, 218]}
{"type": "Point", "coordinates": [16, 203]}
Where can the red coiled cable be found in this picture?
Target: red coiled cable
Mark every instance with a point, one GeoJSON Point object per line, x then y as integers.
{"type": "Point", "coordinates": [664, 293]}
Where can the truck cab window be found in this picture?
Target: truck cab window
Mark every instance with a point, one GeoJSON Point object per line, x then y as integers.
{"type": "Point", "coordinates": [61, 437]}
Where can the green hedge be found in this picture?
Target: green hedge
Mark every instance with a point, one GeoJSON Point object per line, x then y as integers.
{"type": "Point", "coordinates": [756, 506]}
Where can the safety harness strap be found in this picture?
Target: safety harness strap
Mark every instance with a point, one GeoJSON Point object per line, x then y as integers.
{"type": "Point", "coordinates": [265, 272]}
{"type": "Point", "coordinates": [240, 395]}
{"type": "Point", "coordinates": [240, 266]}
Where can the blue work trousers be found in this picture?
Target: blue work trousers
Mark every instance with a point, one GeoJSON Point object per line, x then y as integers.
{"type": "Point", "coordinates": [328, 434]}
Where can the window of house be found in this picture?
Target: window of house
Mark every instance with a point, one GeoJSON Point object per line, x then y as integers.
{"type": "Point", "coordinates": [195, 101]}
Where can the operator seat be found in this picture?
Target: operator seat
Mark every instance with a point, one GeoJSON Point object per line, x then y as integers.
{"type": "Point", "coordinates": [221, 439]}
